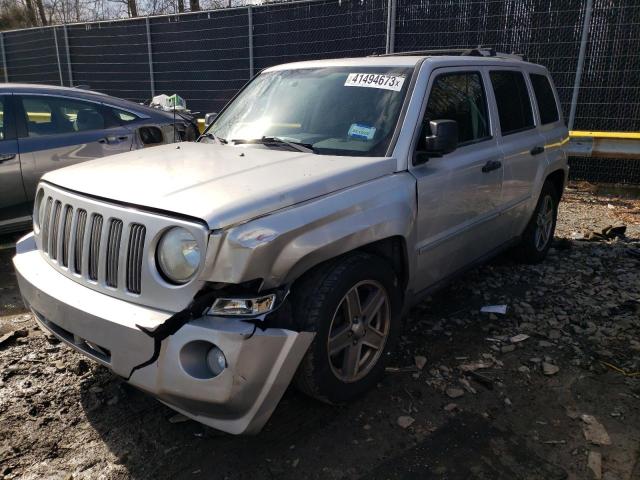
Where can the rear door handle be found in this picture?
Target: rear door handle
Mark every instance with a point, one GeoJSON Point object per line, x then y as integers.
{"type": "Point", "coordinates": [115, 140]}
{"type": "Point", "coordinates": [491, 165]}
{"type": "Point", "coordinates": [537, 150]}
{"type": "Point", "coordinates": [111, 139]}
{"type": "Point", "coordinates": [5, 157]}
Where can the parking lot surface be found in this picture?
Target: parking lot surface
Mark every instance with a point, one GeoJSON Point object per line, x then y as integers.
{"type": "Point", "coordinates": [550, 390]}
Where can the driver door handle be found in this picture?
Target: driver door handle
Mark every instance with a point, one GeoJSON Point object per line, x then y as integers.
{"type": "Point", "coordinates": [537, 150]}
{"type": "Point", "coordinates": [5, 157]}
{"type": "Point", "coordinates": [491, 165]}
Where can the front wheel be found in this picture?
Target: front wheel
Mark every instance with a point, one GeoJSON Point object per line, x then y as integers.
{"type": "Point", "coordinates": [352, 306]}
{"type": "Point", "coordinates": [538, 235]}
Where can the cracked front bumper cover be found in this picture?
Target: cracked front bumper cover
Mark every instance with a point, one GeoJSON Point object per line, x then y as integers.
{"type": "Point", "coordinates": [241, 399]}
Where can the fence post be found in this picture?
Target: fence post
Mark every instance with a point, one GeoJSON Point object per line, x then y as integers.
{"type": "Point", "coordinates": [391, 26]}
{"type": "Point", "coordinates": [4, 58]}
{"type": "Point", "coordinates": [581, 54]}
{"type": "Point", "coordinates": [250, 21]}
{"type": "Point", "coordinates": [55, 39]}
{"type": "Point", "coordinates": [150, 55]}
{"type": "Point", "coordinates": [66, 47]}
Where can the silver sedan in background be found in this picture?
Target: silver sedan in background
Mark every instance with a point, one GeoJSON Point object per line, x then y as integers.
{"type": "Point", "coordinates": [44, 128]}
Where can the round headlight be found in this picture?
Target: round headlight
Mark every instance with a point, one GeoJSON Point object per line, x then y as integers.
{"type": "Point", "coordinates": [178, 255]}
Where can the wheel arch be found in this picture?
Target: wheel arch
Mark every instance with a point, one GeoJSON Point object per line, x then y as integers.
{"type": "Point", "coordinates": [557, 178]}
{"type": "Point", "coordinates": [392, 249]}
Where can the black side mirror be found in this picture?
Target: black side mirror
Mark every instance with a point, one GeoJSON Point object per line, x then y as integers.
{"type": "Point", "coordinates": [443, 138]}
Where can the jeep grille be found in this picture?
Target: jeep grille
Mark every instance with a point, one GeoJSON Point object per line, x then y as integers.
{"type": "Point", "coordinates": [110, 248]}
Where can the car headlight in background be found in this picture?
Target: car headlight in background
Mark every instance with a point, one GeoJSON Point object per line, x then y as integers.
{"type": "Point", "coordinates": [178, 255]}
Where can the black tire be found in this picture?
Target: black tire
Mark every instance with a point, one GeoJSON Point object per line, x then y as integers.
{"type": "Point", "coordinates": [315, 300]}
{"type": "Point", "coordinates": [530, 249]}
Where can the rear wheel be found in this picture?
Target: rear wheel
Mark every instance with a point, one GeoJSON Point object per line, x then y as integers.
{"type": "Point", "coordinates": [352, 306]}
{"type": "Point", "coordinates": [538, 235]}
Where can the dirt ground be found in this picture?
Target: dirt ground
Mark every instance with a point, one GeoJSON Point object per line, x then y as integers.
{"type": "Point", "coordinates": [542, 392]}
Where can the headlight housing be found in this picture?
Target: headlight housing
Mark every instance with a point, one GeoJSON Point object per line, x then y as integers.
{"type": "Point", "coordinates": [243, 306]}
{"type": "Point", "coordinates": [178, 256]}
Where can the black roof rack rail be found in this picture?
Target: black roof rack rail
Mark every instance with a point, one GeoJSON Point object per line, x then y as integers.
{"type": "Point", "coordinates": [466, 52]}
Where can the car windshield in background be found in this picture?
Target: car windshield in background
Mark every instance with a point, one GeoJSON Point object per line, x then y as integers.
{"type": "Point", "coordinates": [333, 111]}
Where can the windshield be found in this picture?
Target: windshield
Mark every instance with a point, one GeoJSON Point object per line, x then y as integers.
{"type": "Point", "coordinates": [334, 111]}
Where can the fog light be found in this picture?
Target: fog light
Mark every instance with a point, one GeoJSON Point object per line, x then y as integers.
{"type": "Point", "coordinates": [216, 361]}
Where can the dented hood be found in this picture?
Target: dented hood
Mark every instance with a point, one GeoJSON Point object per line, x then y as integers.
{"type": "Point", "coordinates": [219, 184]}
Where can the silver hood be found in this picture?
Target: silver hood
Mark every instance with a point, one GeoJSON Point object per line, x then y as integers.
{"type": "Point", "coordinates": [221, 185]}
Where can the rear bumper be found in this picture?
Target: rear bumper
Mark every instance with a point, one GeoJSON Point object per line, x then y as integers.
{"type": "Point", "coordinates": [260, 363]}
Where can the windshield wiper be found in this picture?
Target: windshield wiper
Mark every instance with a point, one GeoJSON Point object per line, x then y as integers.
{"type": "Point", "coordinates": [299, 146]}
{"type": "Point", "coordinates": [214, 137]}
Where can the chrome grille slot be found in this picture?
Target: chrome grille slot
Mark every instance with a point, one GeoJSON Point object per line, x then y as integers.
{"type": "Point", "coordinates": [113, 252]}
{"type": "Point", "coordinates": [80, 227]}
{"type": "Point", "coordinates": [55, 226]}
{"type": "Point", "coordinates": [46, 222]}
{"type": "Point", "coordinates": [66, 234]}
{"type": "Point", "coordinates": [134, 257]}
{"type": "Point", "coordinates": [94, 246]}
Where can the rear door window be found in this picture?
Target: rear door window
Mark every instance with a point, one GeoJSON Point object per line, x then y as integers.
{"type": "Point", "coordinates": [545, 98]}
{"type": "Point", "coordinates": [512, 100]}
{"type": "Point", "coordinates": [460, 97]}
{"type": "Point", "coordinates": [54, 115]}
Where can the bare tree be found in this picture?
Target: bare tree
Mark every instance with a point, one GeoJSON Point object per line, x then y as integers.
{"type": "Point", "coordinates": [133, 8]}
{"type": "Point", "coordinates": [12, 15]}
{"type": "Point", "coordinates": [31, 13]}
{"type": "Point", "coordinates": [41, 12]}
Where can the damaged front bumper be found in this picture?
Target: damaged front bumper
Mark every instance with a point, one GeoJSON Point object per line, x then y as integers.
{"type": "Point", "coordinates": [260, 363]}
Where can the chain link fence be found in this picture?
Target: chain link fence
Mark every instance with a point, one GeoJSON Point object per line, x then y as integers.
{"type": "Point", "coordinates": [589, 46]}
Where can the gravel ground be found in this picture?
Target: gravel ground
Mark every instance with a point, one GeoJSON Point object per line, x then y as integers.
{"type": "Point", "coordinates": [548, 391]}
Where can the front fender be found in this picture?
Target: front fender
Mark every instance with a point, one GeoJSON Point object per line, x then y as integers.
{"type": "Point", "coordinates": [280, 247]}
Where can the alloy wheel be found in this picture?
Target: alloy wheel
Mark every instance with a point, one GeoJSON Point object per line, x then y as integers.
{"type": "Point", "coordinates": [358, 331]}
{"type": "Point", "coordinates": [544, 223]}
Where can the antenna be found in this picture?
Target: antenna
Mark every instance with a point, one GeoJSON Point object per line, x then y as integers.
{"type": "Point", "coordinates": [174, 119]}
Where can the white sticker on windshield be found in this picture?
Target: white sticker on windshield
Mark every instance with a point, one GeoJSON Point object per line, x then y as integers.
{"type": "Point", "coordinates": [362, 132]}
{"type": "Point", "coordinates": [375, 80]}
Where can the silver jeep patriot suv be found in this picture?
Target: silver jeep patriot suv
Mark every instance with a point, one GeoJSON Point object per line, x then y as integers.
{"type": "Point", "coordinates": [285, 245]}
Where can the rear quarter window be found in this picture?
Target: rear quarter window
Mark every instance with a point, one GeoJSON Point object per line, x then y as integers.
{"type": "Point", "coordinates": [545, 98]}
{"type": "Point", "coordinates": [512, 100]}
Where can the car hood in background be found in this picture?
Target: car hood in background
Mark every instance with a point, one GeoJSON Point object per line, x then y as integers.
{"type": "Point", "coordinates": [221, 185]}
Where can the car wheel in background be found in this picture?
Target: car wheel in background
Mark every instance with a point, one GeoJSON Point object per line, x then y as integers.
{"type": "Point", "coordinates": [538, 235]}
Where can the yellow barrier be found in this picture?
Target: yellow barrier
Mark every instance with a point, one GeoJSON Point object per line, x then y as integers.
{"type": "Point", "coordinates": [585, 133]}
